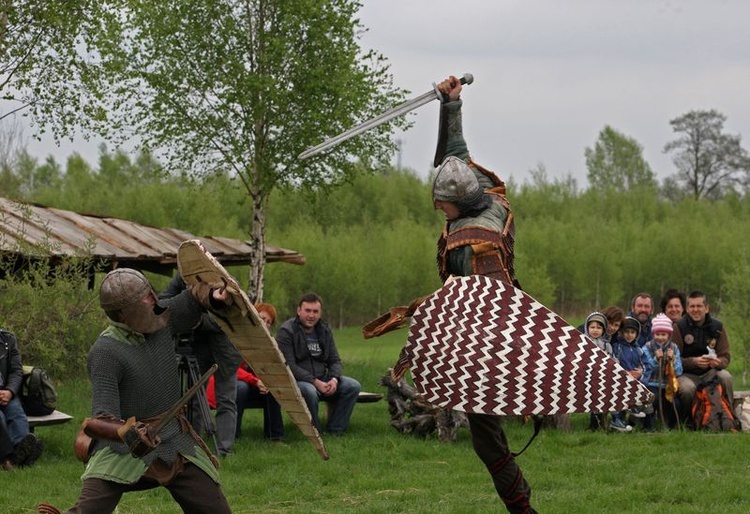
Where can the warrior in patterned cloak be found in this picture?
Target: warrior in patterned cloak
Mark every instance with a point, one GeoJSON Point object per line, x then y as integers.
{"type": "Point", "coordinates": [477, 240]}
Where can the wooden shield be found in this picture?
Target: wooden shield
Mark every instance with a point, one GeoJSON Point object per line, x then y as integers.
{"type": "Point", "coordinates": [479, 345]}
{"type": "Point", "coordinates": [245, 329]}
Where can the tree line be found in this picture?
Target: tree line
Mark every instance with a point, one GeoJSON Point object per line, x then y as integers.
{"type": "Point", "coordinates": [370, 244]}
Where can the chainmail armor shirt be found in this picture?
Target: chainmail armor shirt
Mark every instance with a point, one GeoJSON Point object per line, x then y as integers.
{"type": "Point", "coordinates": [136, 375]}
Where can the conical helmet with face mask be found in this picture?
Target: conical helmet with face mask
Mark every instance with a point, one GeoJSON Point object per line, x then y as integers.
{"type": "Point", "coordinates": [127, 297]}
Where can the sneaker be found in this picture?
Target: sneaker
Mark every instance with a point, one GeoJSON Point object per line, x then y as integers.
{"type": "Point", "coordinates": [620, 426]}
{"type": "Point", "coordinates": [637, 413]}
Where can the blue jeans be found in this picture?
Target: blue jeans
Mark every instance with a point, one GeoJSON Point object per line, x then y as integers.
{"type": "Point", "coordinates": [342, 403]}
{"type": "Point", "coordinates": [14, 420]}
{"type": "Point", "coordinates": [249, 397]}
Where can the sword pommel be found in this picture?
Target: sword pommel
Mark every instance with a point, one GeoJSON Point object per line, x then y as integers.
{"type": "Point", "coordinates": [467, 79]}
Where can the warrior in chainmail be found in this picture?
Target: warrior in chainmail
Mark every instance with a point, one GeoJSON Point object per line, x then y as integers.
{"type": "Point", "coordinates": [133, 372]}
{"type": "Point", "coordinates": [477, 239]}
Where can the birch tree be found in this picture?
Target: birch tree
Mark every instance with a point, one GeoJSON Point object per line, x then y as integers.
{"type": "Point", "coordinates": [238, 87]}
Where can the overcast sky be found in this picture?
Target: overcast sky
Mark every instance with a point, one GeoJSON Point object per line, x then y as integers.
{"type": "Point", "coordinates": [550, 74]}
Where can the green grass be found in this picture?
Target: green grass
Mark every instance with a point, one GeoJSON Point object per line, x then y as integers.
{"type": "Point", "coordinates": [374, 469]}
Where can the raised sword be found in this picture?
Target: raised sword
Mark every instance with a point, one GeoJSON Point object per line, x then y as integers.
{"type": "Point", "coordinates": [399, 110]}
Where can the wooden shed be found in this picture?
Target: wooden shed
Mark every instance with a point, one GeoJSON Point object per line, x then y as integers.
{"type": "Point", "coordinates": [31, 231]}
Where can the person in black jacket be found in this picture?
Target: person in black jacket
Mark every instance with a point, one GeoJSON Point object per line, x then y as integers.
{"type": "Point", "coordinates": [18, 446]}
{"type": "Point", "coordinates": [310, 351]}
{"type": "Point", "coordinates": [704, 348]}
{"type": "Point", "coordinates": [209, 344]}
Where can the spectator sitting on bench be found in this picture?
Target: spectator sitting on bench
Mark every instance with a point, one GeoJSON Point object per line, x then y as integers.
{"type": "Point", "coordinates": [704, 345]}
{"type": "Point", "coordinates": [18, 446]}
{"type": "Point", "coordinates": [307, 344]}
{"type": "Point", "coordinates": [252, 392]}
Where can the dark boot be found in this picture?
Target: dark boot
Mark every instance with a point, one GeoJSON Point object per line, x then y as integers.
{"type": "Point", "coordinates": [648, 422]}
{"type": "Point", "coordinates": [511, 486]}
{"type": "Point", "coordinates": [597, 422]}
{"type": "Point", "coordinates": [28, 450]}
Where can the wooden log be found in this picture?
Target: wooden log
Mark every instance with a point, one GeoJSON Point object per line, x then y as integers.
{"type": "Point", "coordinates": [410, 414]}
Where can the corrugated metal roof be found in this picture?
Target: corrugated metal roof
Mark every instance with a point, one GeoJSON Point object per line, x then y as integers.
{"type": "Point", "coordinates": [35, 231]}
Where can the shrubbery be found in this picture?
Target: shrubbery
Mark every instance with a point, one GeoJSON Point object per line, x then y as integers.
{"type": "Point", "coordinates": [54, 314]}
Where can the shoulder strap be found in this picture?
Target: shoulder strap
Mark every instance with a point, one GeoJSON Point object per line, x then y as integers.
{"type": "Point", "coordinates": [538, 420]}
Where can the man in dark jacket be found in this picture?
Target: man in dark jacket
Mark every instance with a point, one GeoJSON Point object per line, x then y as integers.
{"type": "Point", "coordinates": [309, 349]}
{"type": "Point", "coordinates": [704, 348]}
{"type": "Point", "coordinates": [209, 344]}
{"type": "Point", "coordinates": [18, 447]}
{"type": "Point", "coordinates": [641, 308]}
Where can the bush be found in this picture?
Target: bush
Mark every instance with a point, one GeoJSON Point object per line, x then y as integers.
{"type": "Point", "coordinates": [53, 312]}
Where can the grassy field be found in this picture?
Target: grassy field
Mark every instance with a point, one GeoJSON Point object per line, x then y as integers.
{"type": "Point", "coordinates": [374, 469]}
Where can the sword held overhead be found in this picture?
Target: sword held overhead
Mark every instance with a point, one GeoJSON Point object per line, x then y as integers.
{"type": "Point", "coordinates": [399, 110]}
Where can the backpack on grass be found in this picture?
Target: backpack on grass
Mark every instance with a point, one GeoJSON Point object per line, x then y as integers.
{"type": "Point", "coordinates": [711, 411]}
{"type": "Point", "coordinates": [38, 395]}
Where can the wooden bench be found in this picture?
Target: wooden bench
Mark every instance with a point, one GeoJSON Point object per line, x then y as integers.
{"type": "Point", "coordinates": [56, 418]}
{"type": "Point", "coordinates": [369, 397]}
{"type": "Point", "coordinates": [363, 397]}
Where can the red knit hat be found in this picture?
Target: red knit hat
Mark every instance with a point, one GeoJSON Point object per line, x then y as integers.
{"type": "Point", "coordinates": [661, 323]}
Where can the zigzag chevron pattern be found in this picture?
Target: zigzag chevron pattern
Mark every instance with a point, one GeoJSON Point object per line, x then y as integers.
{"type": "Point", "coordinates": [479, 345]}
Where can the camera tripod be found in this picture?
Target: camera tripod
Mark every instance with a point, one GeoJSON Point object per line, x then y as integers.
{"type": "Point", "coordinates": [198, 411]}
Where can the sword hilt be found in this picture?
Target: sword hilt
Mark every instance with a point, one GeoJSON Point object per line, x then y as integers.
{"type": "Point", "coordinates": [465, 80]}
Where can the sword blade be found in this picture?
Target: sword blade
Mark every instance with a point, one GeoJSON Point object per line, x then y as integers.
{"type": "Point", "coordinates": [399, 110]}
{"type": "Point", "coordinates": [172, 412]}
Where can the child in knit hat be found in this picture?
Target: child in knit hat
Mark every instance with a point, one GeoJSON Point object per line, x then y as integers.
{"type": "Point", "coordinates": [660, 356]}
{"type": "Point", "coordinates": [596, 329]}
{"type": "Point", "coordinates": [630, 357]}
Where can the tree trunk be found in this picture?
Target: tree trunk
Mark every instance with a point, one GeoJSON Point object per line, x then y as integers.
{"type": "Point", "coordinates": [258, 249]}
